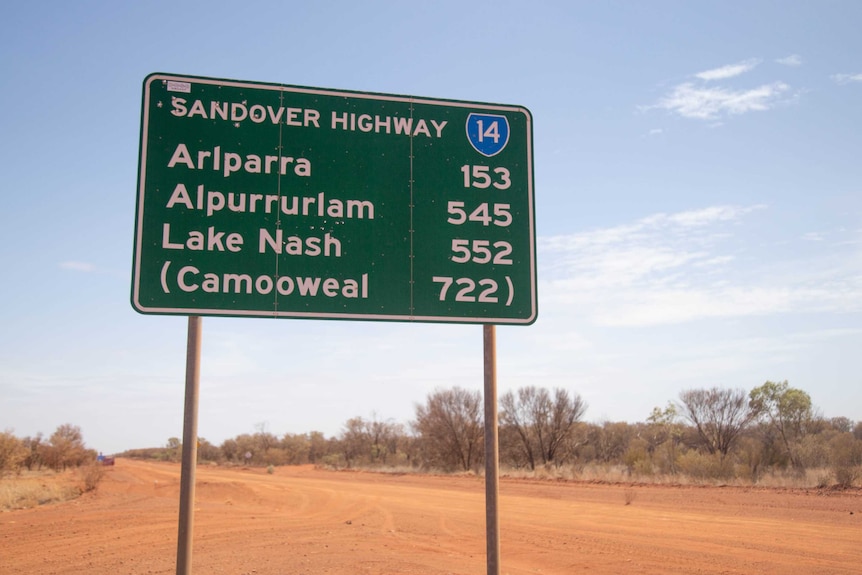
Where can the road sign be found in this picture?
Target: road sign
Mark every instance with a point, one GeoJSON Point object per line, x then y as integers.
{"type": "Point", "coordinates": [269, 200]}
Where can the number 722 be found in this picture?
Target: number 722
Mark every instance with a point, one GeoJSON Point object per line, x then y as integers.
{"type": "Point", "coordinates": [467, 288]}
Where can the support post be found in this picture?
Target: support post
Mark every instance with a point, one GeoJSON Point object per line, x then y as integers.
{"type": "Point", "coordinates": [190, 448]}
{"type": "Point", "coordinates": [492, 452]}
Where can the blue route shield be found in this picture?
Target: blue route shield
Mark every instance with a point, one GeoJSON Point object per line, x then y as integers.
{"type": "Point", "coordinates": [488, 133]}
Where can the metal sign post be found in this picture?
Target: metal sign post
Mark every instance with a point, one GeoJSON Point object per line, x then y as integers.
{"type": "Point", "coordinates": [190, 448]}
{"type": "Point", "coordinates": [492, 452]}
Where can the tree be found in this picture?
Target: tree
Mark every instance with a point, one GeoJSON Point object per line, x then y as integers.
{"type": "Point", "coordinates": [355, 441]}
{"type": "Point", "coordinates": [207, 451]}
{"type": "Point", "coordinates": [384, 436]}
{"type": "Point", "coordinates": [318, 446]}
{"type": "Point", "coordinates": [296, 447]}
{"type": "Point", "coordinates": [786, 410]}
{"type": "Point", "coordinates": [242, 449]}
{"type": "Point", "coordinates": [450, 428]}
{"type": "Point", "coordinates": [12, 453]}
{"type": "Point", "coordinates": [65, 447]}
{"type": "Point", "coordinates": [541, 424]}
{"type": "Point", "coordinates": [174, 449]}
{"type": "Point", "coordinates": [609, 440]}
{"type": "Point", "coordinates": [841, 424]}
{"type": "Point", "coordinates": [265, 448]}
{"type": "Point", "coordinates": [718, 416]}
{"type": "Point", "coordinates": [230, 450]}
{"type": "Point", "coordinates": [34, 450]}
{"type": "Point", "coordinates": [662, 429]}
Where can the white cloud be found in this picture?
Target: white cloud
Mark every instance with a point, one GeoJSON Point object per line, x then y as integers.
{"type": "Point", "coordinates": [686, 266]}
{"type": "Point", "coordinates": [704, 100]}
{"type": "Point", "coordinates": [729, 71]}
{"type": "Point", "coordinates": [625, 254]}
{"type": "Point", "coordinates": [712, 214]}
{"type": "Point", "coordinates": [842, 79]}
{"type": "Point", "coordinates": [793, 60]}
{"type": "Point", "coordinates": [691, 101]}
{"type": "Point", "coordinates": [78, 266]}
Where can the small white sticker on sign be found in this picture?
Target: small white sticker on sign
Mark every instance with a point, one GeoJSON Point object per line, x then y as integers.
{"type": "Point", "coordinates": [185, 87]}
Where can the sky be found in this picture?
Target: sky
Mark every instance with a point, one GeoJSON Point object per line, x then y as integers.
{"type": "Point", "coordinates": [698, 208]}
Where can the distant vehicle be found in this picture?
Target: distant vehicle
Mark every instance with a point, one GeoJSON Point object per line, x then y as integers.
{"type": "Point", "coordinates": [105, 460]}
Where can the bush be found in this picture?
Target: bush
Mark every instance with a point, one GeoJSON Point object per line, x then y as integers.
{"type": "Point", "coordinates": [846, 459]}
{"type": "Point", "coordinates": [91, 475]}
{"type": "Point", "coordinates": [704, 466]}
{"type": "Point", "coordinates": [637, 459]}
{"type": "Point", "coordinates": [847, 476]}
{"type": "Point", "coordinates": [12, 453]}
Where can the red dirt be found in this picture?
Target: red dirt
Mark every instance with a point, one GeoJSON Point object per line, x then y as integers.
{"type": "Point", "coordinates": [304, 521]}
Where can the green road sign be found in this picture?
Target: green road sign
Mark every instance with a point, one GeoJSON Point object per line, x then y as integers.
{"type": "Point", "coordinates": [268, 200]}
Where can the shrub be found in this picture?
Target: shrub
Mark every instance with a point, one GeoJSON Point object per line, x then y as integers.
{"type": "Point", "coordinates": [637, 459]}
{"type": "Point", "coordinates": [846, 459]}
{"type": "Point", "coordinates": [91, 475]}
{"type": "Point", "coordinates": [12, 453]}
{"type": "Point", "coordinates": [703, 466]}
{"type": "Point", "coordinates": [846, 476]}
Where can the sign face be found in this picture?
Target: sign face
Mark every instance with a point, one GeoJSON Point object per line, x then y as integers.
{"type": "Point", "coordinates": [268, 200]}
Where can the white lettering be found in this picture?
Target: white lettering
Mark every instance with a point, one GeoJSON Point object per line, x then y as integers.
{"type": "Point", "coordinates": [439, 127]}
{"type": "Point", "coordinates": [232, 163]}
{"type": "Point", "coordinates": [166, 242]}
{"type": "Point", "coordinates": [180, 196]}
{"type": "Point", "coordinates": [181, 278]}
{"type": "Point", "coordinates": [197, 110]}
{"type": "Point", "coordinates": [330, 287]}
{"type": "Point", "coordinates": [218, 109]}
{"type": "Point", "coordinates": [181, 156]}
{"type": "Point", "coordinates": [189, 276]}
{"type": "Point", "coordinates": [311, 116]}
{"type": "Point", "coordinates": [336, 120]}
{"type": "Point", "coordinates": [257, 114]}
{"type": "Point", "coordinates": [179, 106]}
{"type": "Point", "coordinates": [403, 125]}
{"type": "Point", "coordinates": [212, 202]}
{"type": "Point", "coordinates": [240, 111]}
{"type": "Point", "coordinates": [297, 246]}
{"type": "Point", "coordinates": [263, 284]}
{"type": "Point", "coordinates": [292, 117]}
{"type": "Point", "coordinates": [421, 128]}
{"type": "Point", "coordinates": [365, 123]}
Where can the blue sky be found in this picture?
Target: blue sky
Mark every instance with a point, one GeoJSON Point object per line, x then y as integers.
{"type": "Point", "coordinates": [698, 194]}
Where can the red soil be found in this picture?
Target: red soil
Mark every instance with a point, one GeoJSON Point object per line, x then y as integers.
{"type": "Point", "coordinates": [305, 521]}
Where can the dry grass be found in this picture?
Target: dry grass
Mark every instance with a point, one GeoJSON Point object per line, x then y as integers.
{"type": "Point", "coordinates": [33, 488]}
{"type": "Point", "coordinates": [809, 478]}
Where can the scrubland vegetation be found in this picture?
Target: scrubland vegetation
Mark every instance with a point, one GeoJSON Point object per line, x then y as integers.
{"type": "Point", "coordinates": [771, 435]}
{"type": "Point", "coordinates": [35, 471]}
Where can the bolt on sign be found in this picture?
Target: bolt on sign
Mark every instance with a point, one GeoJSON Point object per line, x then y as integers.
{"type": "Point", "coordinates": [269, 200]}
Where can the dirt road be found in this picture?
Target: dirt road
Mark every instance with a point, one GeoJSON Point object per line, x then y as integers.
{"type": "Point", "coordinates": [303, 521]}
